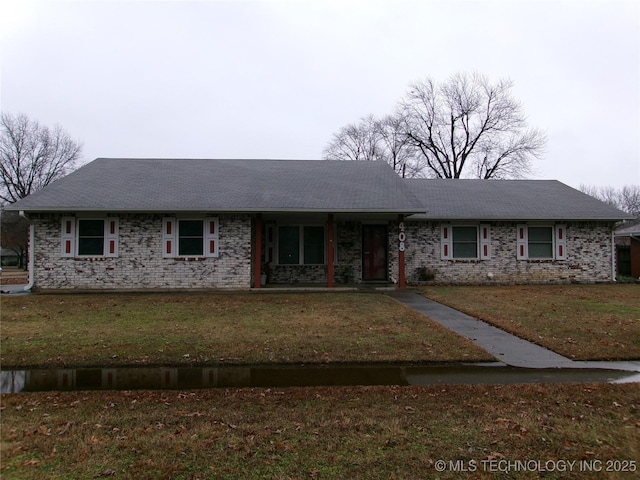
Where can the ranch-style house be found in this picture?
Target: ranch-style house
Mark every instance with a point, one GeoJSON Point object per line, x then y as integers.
{"type": "Point", "coordinates": [123, 224]}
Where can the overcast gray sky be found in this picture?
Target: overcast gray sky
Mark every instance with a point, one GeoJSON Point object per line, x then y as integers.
{"type": "Point", "coordinates": [276, 78]}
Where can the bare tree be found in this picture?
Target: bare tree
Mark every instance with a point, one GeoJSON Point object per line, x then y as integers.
{"type": "Point", "coordinates": [470, 127]}
{"type": "Point", "coordinates": [630, 199]}
{"type": "Point", "coordinates": [397, 149]}
{"type": "Point", "coordinates": [626, 198]}
{"type": "Point", "coordinates": [355, 142]}
{"type": "Point", "coordinates": [375, 140]}
{"type": "Point", "coordinates": [32, 156]}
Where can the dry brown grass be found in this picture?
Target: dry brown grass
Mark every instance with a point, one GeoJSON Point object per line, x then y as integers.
{"type": "Point", "coordinates": [204, 329]}
{"type": "Point", "coordinates": [582, 322]}
{"type": "Point", "coordinates": [347, 432]}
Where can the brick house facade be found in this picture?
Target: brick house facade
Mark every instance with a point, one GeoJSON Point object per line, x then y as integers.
{"type": "Point", "coordinates": [588, 258]}
{"type": "Point", "coordinates": [307, 222]}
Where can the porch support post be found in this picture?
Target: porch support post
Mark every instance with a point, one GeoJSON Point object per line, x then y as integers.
{"type": "Point", "coordinates": [257, 252]}
{"type": "Point", "coordinates": [401, 247]}
{"type": "Point", "coordinates": [330, 251]}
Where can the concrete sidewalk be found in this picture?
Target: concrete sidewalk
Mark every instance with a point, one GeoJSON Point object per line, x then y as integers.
{"type": "Point", "coordinates": [505, 347]}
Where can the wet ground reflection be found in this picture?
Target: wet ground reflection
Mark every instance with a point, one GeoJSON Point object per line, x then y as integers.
{"type": "Point", "coordinates": [134, 378]}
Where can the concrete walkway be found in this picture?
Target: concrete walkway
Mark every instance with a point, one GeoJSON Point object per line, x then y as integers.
{"type": "Point", "coordinates": [505, 347]}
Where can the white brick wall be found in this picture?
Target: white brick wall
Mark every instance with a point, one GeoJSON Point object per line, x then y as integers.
{"type": "Point", "coordinates": [588, 257]}
{"type": "Point", "coordinates": [140, 263]}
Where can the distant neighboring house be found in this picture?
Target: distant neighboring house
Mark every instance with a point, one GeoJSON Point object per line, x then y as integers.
{"type": "Point", "coordinates": [8, 258]}
{"type": "Point", "coordinates": [188, 224]}
{"type": "Point", "coordinates": [628, 248]}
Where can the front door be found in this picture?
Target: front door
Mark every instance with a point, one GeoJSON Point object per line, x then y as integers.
{"type": "Point", "coordinates": [374, 252]}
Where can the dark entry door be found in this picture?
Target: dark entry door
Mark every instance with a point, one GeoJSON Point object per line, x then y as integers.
{"type": "Point", "coordinates": [374, 252]}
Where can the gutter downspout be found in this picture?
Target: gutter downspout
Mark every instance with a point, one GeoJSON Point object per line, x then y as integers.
{"type": "Point", "coordinates": [31, 253]}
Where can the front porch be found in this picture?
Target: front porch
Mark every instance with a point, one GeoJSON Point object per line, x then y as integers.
{"type": "Point", "coordinates": [319, 288]}
{"type": "Point", "coordinates": [327, 251]}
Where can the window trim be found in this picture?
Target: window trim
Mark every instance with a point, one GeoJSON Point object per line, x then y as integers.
{"type": "Point", "coordinates": [81, 237]}
{"type": "Point", "coordinates": [70, 237]}
{"type": "Point", "coordinates": [558, 241]}
{"type": "Point", "coordinates": [483, 241]}
{"type": "Point", "coordinates": [171, 237]}
{"type": "Point", "coordinates": [180, 237]}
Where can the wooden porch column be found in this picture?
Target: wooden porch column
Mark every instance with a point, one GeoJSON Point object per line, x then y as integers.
{"type": "Point", "coordinates": [257, 252]}
{"type": "Point", "coordinates": [402, 283]}
{"type": "Point", "coordinates": [330, 251]}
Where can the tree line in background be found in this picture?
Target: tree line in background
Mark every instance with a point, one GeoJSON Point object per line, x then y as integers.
{"type": "Point", "coordinates": [465, 127]}
{"type": "Point", "coordinates": [626, 198]}
{"type": "Point", "coordinates": [31, 157]}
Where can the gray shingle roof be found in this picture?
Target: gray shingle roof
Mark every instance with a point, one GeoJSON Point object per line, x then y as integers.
{"type": "Point", "coordinates": [180, 185]}
{"type": "Point", "coordinates": [507, 200]}
{"type": "Point", "coordinates": [174, 185]}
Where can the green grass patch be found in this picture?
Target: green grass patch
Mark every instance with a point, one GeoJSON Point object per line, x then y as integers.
{"type": "Point", "coordinates": [582, 322]}
{"type": "Point", "coordinates": [346, 432]}
{"type": "Point", "coordinates": [210, 329]}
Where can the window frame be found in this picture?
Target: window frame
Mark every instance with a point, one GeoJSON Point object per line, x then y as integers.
{"type": "Point", "coordinates": [301, 244]}
{"type": "Point", "coordinates": [558, 242]}
{"type": "Point", "coordinates": [548, 244]}
{"type": "Point", "coordinates": [70, 237]}
{"type": "Point", "coordinates": [171, 237]}
{"type": "Point", "coordinates": [482, 241]}
{"type": "Point", "coordinates": [80, 237]}
{"type": "Point", "coordinates": [180, 237]}
{"type": "Point", "coordinates": [464, 242]}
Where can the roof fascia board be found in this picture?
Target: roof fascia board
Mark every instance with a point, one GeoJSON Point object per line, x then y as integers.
{"type": "Point", "coordinates": [514, 219]}
{"type": "Point", "coordinates": [217, 210]}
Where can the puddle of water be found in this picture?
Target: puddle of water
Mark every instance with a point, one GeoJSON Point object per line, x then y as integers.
{"type": "Point", "coordinates": [135, 378]}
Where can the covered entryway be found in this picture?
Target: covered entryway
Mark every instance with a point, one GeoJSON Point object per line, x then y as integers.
{"type": "Point", "coordinates": [374, 253]}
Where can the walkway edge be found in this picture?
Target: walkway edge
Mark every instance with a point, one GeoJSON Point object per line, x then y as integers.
{"type": "Point", "coordinates": [505, 347]}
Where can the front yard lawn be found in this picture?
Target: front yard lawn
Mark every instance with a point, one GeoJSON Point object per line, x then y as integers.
{"type": "Point", "coordinates": [206, 329]}
{"type": "Point", "coordinates": [335, 433]}
{"type": "Point", "coordinates": [581, 322]}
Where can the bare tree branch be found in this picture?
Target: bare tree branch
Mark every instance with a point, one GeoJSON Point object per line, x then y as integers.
{"type": "Point", "coordinates": [355, 142]}
{"type": "Point", "coordinates": [32, 156]}
{"type": "Point", "coordinates": [376, 140]}
{"type": "Point", "coordinates": [626, 199]}
{"type": "Point", "coordinates": [468, 126]}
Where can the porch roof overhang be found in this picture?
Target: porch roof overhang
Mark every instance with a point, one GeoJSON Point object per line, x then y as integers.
{"type": "Point", "coordinates": [633, 234]}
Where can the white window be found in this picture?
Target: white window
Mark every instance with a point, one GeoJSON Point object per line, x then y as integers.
{"type": "Point", "coordinates": [541, 242]}
{"type": "Point", "coordinates": [89, 237]}
{"type": "Point", "coordinates": [465, 242]}
{"type": "Point", "coordinates": [189, 237]}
